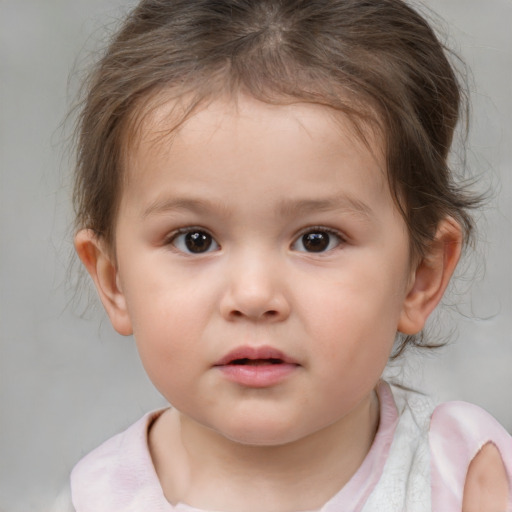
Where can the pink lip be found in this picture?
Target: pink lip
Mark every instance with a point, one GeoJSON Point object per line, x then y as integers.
{"type": "Point", "coordinates": [256, 367]}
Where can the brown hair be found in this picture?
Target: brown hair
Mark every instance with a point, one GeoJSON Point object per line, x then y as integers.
{"type": "Point", "coordinates": [377, 61]}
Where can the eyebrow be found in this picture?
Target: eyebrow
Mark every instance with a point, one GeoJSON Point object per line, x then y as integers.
{"type": "Point", "coordinates": [334, 203]}
{"type": "Point", "coordinates": [182, 203]}
{"type": "Point", "coordinates": [286, 208]}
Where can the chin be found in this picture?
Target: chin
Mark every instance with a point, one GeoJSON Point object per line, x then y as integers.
{"type": "Point", "coordinates": [260, 439]}
{"type": "Point", "coordinates": [258, 434]}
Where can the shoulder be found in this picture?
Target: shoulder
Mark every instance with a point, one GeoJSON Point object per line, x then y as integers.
{"type": "Point", "coordinates": [111, 475]}
{"type": "Point", "coordinates": [459, 430]}
{"type": "Point", "coordinates": [471, 459]}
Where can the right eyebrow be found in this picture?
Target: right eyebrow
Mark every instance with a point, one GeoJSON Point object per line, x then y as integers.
{"type": "Point", "coordinates": [167, 205]}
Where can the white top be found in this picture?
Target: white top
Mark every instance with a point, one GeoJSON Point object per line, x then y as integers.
{"type": "Point", "coordinates": [417, 463]}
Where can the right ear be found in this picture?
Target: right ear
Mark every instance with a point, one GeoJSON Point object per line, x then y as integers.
{"type": "Point", "coordinates": [98, 262]}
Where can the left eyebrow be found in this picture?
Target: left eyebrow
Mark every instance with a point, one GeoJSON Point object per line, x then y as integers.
{"type": "Point", "coordinates": [336, 203]}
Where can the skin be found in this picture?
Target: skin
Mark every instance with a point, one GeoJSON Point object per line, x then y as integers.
{"type": "Point", "coordinates": [486, 488]}
{"type": "Point", "coordinates": [254, 179]}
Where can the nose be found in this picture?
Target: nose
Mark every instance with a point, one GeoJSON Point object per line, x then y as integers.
{"type": "Point", "coordinates": [255, 291]}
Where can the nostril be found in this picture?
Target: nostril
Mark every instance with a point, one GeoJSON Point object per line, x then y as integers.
{"type": "Point", "coordinates": [267, 314]}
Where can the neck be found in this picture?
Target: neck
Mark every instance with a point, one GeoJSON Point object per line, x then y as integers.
{"type": "Point", "coordinates": [194, 463]}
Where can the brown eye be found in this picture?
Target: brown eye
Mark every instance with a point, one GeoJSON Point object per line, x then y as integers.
{"type": "Point", "coordinates": [194, 242]}
{"type": "Point", "coordinates": [317, 241]}
{"type": "Point", "coordinates": [198, 242]}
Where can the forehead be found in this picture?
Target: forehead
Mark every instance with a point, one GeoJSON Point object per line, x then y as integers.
{"type": "Point", "coordinates": [243, 140]}
{"type": "Point", "coordinates": [165, 123]}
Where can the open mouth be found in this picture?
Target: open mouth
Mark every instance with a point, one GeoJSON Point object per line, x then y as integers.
{"type": "Point", "coordinates": [245, 361]}
{"type": "Point", "coordinates": [255, 356]}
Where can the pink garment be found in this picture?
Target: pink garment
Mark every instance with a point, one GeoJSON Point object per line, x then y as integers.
{"type": "Point", "coordinates": [119, 476]}
{"type": "Point", "coordinates": [458, 431]}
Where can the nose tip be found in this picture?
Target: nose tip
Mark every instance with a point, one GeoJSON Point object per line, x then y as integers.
{"type": "Point", "coordinates": [256, 297]}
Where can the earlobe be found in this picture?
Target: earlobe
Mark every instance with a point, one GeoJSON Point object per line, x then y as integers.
{"type": "Point", "coordinates": [98, 262]}
{"type": "Point", "coordinates": [431, 277]}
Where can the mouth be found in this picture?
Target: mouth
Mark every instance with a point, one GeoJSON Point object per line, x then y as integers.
{"type": "Point", "coordinates": [255, 362]}
{"type": "Point", "coordinates": [255, 356]}
{"type": "Point", "coordinates": [256, 367]}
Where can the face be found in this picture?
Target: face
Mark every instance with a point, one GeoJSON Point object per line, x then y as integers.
{"type": "Point", "coordinates": [263, 267]}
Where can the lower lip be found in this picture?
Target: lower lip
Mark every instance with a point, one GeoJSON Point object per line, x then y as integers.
{"type": "Point", "coordinates": [257, 376]}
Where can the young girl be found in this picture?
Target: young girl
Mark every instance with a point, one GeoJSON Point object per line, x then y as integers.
{"type": "Point", "coordinates": [263, 200]}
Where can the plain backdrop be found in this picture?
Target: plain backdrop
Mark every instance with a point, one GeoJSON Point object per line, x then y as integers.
{"type": "Point", "coordinates": [68, 382]}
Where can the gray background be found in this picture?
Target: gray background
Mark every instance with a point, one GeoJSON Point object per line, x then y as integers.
{"type": "Point", "coordinates": [67, 382]}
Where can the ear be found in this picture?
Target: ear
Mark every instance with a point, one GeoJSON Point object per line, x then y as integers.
{"type": "Point", "coordinates": [101, 267]}
{"type": "Point", "coordinates": [431, 277]}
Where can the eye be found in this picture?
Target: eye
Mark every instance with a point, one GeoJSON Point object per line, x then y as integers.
{"type": "Point", "coordinates": [194, 241]}
{"type": "Point", "coordinates": [317, 240]}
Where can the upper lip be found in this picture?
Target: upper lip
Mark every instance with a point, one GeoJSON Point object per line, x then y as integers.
{"type": "Point", "coordinates": [255, 353]}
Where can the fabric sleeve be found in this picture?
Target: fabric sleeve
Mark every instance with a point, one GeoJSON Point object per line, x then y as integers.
{"type": "Point", "coordinates": [458, 431]}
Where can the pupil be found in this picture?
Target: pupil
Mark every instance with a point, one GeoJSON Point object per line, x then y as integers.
{"type": "Point", "coordinates": [198, 241]}
{"type": "Point", "coordinates": [316, 242]}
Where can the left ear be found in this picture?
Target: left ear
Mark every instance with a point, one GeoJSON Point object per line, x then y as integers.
{"type": "Point", "coordinates": [431, 277]}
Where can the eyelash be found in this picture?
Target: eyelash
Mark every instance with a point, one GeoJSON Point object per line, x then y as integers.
{"type": "Point", "coordinates": [317, 230]}
{"type": "Point", "coordinates": [339, 239]}
{"type": "Point", "coordinates": [171, 240]}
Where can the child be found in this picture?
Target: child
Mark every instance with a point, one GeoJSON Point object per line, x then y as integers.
{"type": "Point", "coordinates": [263, 200]}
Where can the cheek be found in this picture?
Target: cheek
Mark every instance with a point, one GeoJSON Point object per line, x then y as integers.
{"type": "Point", "coordinates": [353, 320]}
{"type": "Point", "coordinates": [168, 322]}
{"type": "Point", "coordinates": [354, 303]}
{"type": "Point", "coordinates": [161, 302]}
{"type": "Point", "coordinates": [170, 354]}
